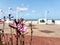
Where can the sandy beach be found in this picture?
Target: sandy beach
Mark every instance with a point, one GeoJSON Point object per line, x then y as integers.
{"type": "Point", "coordinates": [50, 30]}
{"type": "Point", "coordinates": [42, 34]}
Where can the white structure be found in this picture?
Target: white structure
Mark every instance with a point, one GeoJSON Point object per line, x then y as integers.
{"type": "Point", "coordinates": [49, 22]}
{"type": "Point", "coordinates": [57, 21]}
{"type": "Point", "coordinates": [42, 21]}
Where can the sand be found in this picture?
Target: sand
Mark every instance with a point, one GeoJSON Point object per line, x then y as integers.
{"type": "Point", "coordinates": [42, 34]}
{"type": "Point", "coordinates": [50, 30]}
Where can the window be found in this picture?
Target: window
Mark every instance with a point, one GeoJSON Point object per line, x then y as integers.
{"type": "Point", "coordinates": [42, 21]}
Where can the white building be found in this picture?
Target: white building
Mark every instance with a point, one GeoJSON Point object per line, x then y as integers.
{"type": "Point", "coordinates": [44, 21]}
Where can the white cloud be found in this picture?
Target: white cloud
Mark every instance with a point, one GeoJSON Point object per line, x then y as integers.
{"type": "Point", "coordinates": [21, 9]}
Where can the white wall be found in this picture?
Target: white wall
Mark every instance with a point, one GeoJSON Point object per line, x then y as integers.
{"type": "Point", "coordinates": [57, 21]}
{"type": "Point", "coordinates": [49, 21]}
{"type": "Point", "coordinates": [40, 22]}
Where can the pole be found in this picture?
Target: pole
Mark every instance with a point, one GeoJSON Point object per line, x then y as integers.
{"type": "Point", "coordinates": [31, 33]}
{"type": "Point", "coordinates": [46, 12]}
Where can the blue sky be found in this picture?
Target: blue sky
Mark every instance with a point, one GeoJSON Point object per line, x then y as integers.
{"type": "Point", "coordinates": [36, 8]}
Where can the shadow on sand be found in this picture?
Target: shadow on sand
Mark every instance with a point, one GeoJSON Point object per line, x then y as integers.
{"type": "Point", "coordinates": [46, 31]}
